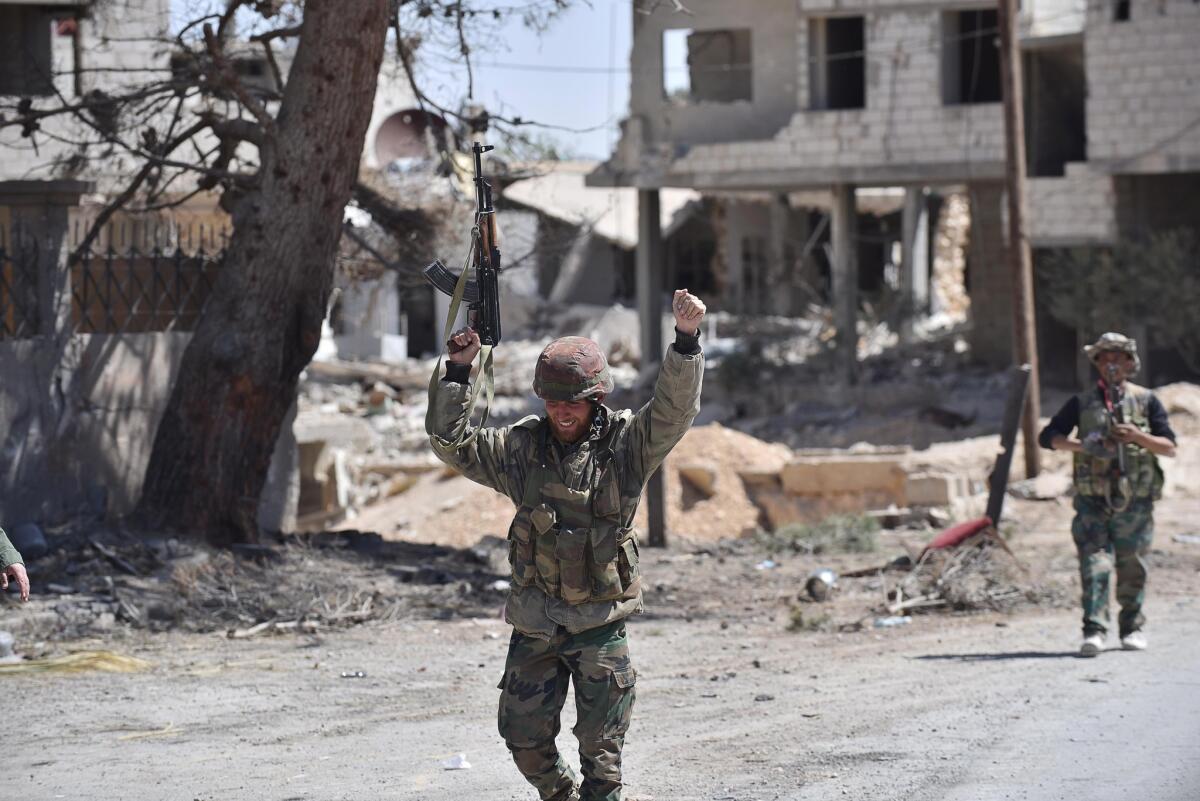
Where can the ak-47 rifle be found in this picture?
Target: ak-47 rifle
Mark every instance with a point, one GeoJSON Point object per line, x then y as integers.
{"type": "Point", "coordinates": [1119, 478]}
{"type": "Point", "coordinates": [482, 294]}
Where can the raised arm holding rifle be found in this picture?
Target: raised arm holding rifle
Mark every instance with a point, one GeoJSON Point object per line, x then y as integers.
{"type": "Point", "coordinates": [575, 475]}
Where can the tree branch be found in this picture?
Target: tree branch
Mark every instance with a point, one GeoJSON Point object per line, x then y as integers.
{"type": "Point", "coordinates": [278, 33]}
{"type": "Point", "coordinates": [465, 50]}
{"type": "Point", "coordinates": [120, 200]}
{"type": "Point", "coordinates": [230, 79]}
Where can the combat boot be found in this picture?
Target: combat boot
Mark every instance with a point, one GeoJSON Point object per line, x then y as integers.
{"type": "Point", "coordinates": [1093, 644]}
{"type": "Point", "coordinates": [1134, 641]}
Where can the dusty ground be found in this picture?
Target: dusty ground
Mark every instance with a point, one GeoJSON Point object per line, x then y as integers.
{"type": "Point", "coordinates": [966, 707]}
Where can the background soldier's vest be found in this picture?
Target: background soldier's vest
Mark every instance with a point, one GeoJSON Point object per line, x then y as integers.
{"type": "Point", "coordinates": [574, 544]}
{"type": "Point", "coordinates": [1092, 474]}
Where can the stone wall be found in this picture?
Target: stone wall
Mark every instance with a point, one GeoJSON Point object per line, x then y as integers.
{"type": "Point", "coordinates": [1143, 109]}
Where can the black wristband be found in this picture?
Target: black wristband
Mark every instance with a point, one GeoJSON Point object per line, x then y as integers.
{"type": "Point", "coordinates": [458, 373]}
{"type": "Point", "coordinates": [687, 344]}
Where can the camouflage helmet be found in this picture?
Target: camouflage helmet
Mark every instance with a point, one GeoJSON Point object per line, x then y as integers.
{"type": "Point", "coordinates": [1114, 342]}
{"type": "Point", "coordinates": [571, 369]}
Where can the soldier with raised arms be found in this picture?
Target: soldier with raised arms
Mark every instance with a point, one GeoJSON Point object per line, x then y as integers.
{"type": "Point", "coordinates": [576, 476]}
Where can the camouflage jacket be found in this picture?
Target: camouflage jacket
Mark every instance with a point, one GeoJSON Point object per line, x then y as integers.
{"type": "Point", "coordinates": [572, 548]}
{"type": "Point", "coordinates": [8, 552]}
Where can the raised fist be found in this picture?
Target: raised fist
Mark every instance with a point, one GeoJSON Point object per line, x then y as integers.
{"type": "Point", "coordinates": [689, 311]}
{"type": "Point", "coordinates": [463, 346]}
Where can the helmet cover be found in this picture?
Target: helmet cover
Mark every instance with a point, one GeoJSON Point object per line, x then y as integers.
{"type": "Point", "coordinates": [571, 369]}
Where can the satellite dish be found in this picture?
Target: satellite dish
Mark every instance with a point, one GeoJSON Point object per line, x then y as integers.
{"type": "Point", "coordinates": [409, 134]}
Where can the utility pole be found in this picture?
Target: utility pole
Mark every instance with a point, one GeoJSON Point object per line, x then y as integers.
{"type": "Point", "coordinates": [1020, 259]}
{"type": "Point", "coordinates": [649, 299]}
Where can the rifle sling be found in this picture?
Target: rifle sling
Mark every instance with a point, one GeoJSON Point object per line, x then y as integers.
{"type": "Point", "coordinates": [485, 377]}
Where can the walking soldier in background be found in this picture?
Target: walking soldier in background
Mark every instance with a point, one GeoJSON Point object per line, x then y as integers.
{"type": "Point", "coordinates": [576, 476]}
{"type": "Point", "coordinates": [1122, 429]}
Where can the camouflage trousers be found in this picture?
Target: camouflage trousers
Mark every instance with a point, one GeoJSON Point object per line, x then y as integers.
{"type": "Point", "coordinates": [1104, 539]}
{"type": "Point", "coordinates": [533, 691]}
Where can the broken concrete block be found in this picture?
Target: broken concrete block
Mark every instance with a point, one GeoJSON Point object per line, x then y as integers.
{"type": "Point", "coordinates": [701, 475]}
{"type": "Point", "coordinates": [760, 479]}
{"type": "Point", "coordinates": [881, 477]}
{"type": "Point", "coordinates": [935, 489]}
{"type": "Point", "coordinates": [1045, 487]}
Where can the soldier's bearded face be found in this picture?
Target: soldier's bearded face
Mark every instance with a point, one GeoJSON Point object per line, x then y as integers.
{"type": "Point", "coordinates": [569, 420]}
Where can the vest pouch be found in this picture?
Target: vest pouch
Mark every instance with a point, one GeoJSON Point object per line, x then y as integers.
{"type": "Point", "coordinates": [627, 561]}
{"type": "Point", "coordinates": [606, 502]}
{"type": "Point", "coordinates": [520, 550]}
{"type": "Point", "coordinates": [571, 550]}
{"type": "Point", "coordinates": [606, 578]}
{"type": "Point", "coordinates": [545, 537]}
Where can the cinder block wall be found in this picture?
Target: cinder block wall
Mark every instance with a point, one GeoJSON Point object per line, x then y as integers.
{"type": "Point", "coordinates": [1144, 85]}
{"type": "Point", "coordinates": [1076, 208]}
{"type": "Point", "coordinates": [905, 124]}
{"type": "Point", "coordinates": [115, 37]}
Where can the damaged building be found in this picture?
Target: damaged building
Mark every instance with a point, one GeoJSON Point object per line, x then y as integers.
{"type": "Point", "coordinates": [783, 99]}
{"type": "Point", "coordinates": [91, 337]}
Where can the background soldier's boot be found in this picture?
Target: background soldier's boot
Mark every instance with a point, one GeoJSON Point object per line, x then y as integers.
{"type": "Point", "coordinates": [545, 769]}
{"type": "Point", "coordinates": [1093, 644]}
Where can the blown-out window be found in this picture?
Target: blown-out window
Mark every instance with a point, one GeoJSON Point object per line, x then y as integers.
{"type": "Point", "coordinates": [970, 57]}
{"type": "Point", "coordinates": [837, 66]}
{"type": "Point", "coordinates": [707, 66]}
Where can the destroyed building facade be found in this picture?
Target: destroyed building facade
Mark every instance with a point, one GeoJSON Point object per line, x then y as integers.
{"type": "Point", "coordinates": [779, 98]}
{"type": "Point", "coordinates": [89, 347]}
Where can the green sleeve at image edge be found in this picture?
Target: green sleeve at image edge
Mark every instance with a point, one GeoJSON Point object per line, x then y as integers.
{"type": "Point", "coordinates": [8, 554]}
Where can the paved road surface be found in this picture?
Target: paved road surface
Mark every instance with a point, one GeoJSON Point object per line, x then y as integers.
{"type": "Point", "coordinates": [947, 709]}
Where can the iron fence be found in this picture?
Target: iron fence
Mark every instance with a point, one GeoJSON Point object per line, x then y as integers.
{"type": "Point", "coordinates": [130, 280]}
{"type": "Point", "coordinates": [19, 259]}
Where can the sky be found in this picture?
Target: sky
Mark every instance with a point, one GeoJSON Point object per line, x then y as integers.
{"type": "Point", "coordinates": [574, 75]}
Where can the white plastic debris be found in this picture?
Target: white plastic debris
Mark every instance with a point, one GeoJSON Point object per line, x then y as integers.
{"type": "Point", "coordinates": [6, 644]}
{"type": "Point", "coordinates": [891, 622]}
{"type": "Point", "coordinates": [499, 585]}
{"type": "Point", "coordinates": [456, 762]}
{"type": "Point", "coordinates": [765, 564]}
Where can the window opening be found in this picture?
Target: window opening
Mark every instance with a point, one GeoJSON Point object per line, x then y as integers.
{"type": "Point", "coordinates": [971, 57]}
{"type": "Point", "coordinates": [707, 66]}
{"type": "Point", "coordinates": [837, 63]}
{"type": "Point", "coordinates": [25, 51]}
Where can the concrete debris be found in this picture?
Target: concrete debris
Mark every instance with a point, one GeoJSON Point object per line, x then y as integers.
{"type": "Point", "coordinates": [979, 572]}
{"type": "Point", "coordinates": [700, 477]}
{"type": "Point", "coordinates": [821, 584]}
{"type": "Point", "coordinates": [295, 585]}
{"type": "Point", "coordinates": [1044, 487]}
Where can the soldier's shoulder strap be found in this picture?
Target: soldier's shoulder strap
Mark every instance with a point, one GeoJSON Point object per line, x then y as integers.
{"type": "Point", "coordinates": [529, 423]}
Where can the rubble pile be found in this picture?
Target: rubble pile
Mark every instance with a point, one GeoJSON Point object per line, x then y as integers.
{"type": "Point", "coordinates": [980, 573]}
{"type": "Point", "coordinates": [705, 487]}
{"type": "Point", "coordinates": [88, 586]}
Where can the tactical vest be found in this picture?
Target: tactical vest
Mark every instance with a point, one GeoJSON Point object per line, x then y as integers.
{"type": "Point", "coordinates": [574, 544]}
{"type": "Point", "coordinates": [1094, 475]}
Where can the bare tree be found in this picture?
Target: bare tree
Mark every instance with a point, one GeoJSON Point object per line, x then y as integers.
{"type": "Point", "coordinates": [262, 323]}
{"type": "Point", "coordinates": [282, 150]}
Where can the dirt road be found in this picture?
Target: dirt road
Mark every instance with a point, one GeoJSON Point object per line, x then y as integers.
{"type": "Point", "coordinates": [979, 708]}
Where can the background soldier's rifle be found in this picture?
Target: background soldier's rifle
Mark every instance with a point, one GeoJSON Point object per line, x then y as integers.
{"type": "Point", "coordinates": [1119, 476]}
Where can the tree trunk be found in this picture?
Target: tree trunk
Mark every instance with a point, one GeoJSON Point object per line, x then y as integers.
{"type": "Point", "coordinates": [262, 323]}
